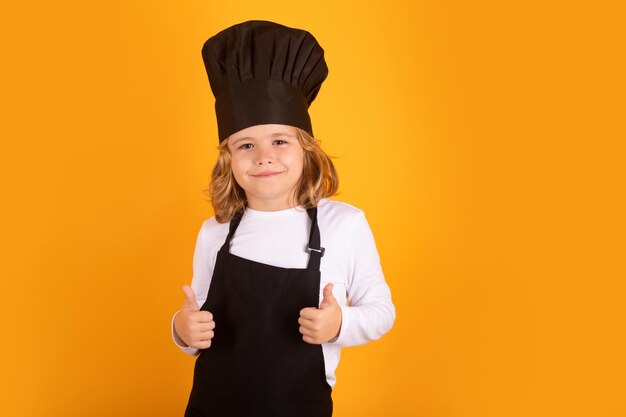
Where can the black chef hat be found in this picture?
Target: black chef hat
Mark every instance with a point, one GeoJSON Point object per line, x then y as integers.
{"type": "Point", "coordinates": [262, 72]}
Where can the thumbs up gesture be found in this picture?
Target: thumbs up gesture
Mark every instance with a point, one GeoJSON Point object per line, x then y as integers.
{"type": "Point", "coordinates": [194, 326]}
{"type": "Point", "coordinates": [319, 325]}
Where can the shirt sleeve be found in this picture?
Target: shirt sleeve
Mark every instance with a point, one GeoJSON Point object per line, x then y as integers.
{"type": "Point", "coordinates": [202, 273]}
{"type": "Point", "coordinates": [370, 313]}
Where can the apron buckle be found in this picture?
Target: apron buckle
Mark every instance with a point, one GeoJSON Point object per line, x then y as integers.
{"type": "Point", "coordinates": [320, 250]}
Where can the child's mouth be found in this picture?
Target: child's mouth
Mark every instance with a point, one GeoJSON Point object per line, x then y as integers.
{"type": "Point", "coordinates": [266, 174]}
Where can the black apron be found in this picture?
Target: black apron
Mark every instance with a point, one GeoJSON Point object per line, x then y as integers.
{"type": "Point", "coordinates": [257, 364]}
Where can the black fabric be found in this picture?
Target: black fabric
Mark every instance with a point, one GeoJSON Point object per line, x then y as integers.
{"type": "Point", "coordinates": [263, 72]}
{"type": "Point", "coordinates": [258, 365]}
{"type": "Point", "coordinates": [313, 247]}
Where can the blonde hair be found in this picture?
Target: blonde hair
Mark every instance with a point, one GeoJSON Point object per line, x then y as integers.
{"type": "Point", "coordinates": [318, 180]}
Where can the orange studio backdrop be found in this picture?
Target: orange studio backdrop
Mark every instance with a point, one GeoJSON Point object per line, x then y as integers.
{"type": "Point", "coordinates": [483, 140]}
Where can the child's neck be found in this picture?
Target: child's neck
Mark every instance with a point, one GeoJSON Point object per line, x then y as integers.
{"type": "Point", "coordinates": [270, 205]}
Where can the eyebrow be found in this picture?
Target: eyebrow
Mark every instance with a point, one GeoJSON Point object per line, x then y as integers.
{"type": "Point", "coordinates": [273, 135]}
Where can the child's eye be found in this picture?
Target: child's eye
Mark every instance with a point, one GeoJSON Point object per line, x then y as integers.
{"type": "Point", "coordinates": [280, 141]}
{"type": "Point", "coordinates": [246, 146]}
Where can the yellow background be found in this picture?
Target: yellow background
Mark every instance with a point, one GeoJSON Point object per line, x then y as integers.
{"type": "Point", "coordinates": [483, 139]}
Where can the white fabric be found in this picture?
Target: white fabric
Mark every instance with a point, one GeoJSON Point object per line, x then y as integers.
{"type": "Point", "coordinates": [278, 238]}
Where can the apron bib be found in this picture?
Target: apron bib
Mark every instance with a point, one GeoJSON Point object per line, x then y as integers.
{"type": "Point", "coordinates": [257, 364]}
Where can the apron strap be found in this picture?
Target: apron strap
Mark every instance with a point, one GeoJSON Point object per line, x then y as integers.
{"type": "Point", "coordinates": [234, 223]}
{"type": "Point", "coordinates": [313, 246]}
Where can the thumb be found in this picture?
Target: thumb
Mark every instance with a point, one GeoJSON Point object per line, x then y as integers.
{"type": "Point", "coordinates": [190, 299]}
{"type": "Point", "coordinates": [329, 298]}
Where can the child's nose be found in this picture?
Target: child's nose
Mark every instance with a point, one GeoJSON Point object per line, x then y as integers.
{"type": "Point", "coordinates": [265, 156]}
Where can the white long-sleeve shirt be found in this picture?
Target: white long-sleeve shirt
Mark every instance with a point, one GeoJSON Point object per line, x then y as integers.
{"type": "Point", "coordinates": [278, 238]}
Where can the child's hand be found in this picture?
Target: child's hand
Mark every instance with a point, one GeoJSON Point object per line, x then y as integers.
{"type": "Point", "coordinates": [195, 327]}
{"type": "Point", "coordinates": [319, 325]}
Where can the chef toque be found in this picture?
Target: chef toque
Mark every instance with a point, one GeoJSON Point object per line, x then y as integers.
{"type": "Point", "coordinates": [262, 72]}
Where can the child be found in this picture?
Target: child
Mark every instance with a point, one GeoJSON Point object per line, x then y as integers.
{"type": "Point", "coordinates": [266, 311]}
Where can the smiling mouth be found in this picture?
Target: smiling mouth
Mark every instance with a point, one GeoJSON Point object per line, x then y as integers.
{"type": "Point", "coordinates": [267, 174]}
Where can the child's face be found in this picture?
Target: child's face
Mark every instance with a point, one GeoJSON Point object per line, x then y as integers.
{"type": "Point", "coordinates": [266, 161]}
